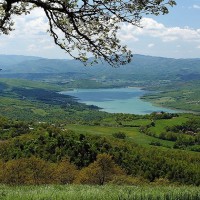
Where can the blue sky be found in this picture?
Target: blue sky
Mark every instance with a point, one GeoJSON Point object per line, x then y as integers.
{"type": "Point", "coordinates": [186, 13]}
{"type": "Point", "coordinates": [175, 35]}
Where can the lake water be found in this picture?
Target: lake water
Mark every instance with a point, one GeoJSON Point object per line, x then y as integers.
{"type": "Point", "coordinates": [117, 100]}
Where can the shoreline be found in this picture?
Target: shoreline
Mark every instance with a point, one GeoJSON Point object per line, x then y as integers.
{"type": "Point", "coordinates": [169, 107]}
{"type": "Point", "coordinates": [143, 109]}
{"type": "Point", "coordinates": [142, 98]}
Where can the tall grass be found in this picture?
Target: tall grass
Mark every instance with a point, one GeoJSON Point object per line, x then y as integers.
{"type": "Point", "coordinates": [108, 192]}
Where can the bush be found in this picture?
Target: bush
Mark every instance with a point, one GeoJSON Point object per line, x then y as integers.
{"type": "Point", "coordinates": [195, 148]}
{"type": "Point", "coordinates": [155, 143]}
{"type": "Point", "coordinates": [119, 135]}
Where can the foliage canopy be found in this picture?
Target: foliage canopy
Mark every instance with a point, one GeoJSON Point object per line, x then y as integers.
{"type": "Point", "coordinates": [87, 26]}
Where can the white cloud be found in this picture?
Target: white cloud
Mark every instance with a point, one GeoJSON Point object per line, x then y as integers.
{"type": "Point", "coordinates": [151, 45]}
{"type": "Point", "coordinates": [2, 44]}
{"type": "Point", "coordinates": [152, 28]}
{"type": "Point", "coordinates": [48, 47]}
{"type": "Point", "coordinates": [32, 47]}
{"type": "Point", "coordinates": [196, 6]}
{"type": "Point", "coordinates": [37, 12]}
{"type": "Point", "coordinates": [168, 34]}
{"type": "Point", "coordinates": [150, 24]}
{"type": "Point", "coordinates": [198, 47]}
{"type": "Point", "coordinates": [126, 33]}
{"type": "Point", "coordinates": [30, 28]}
{"type": "Point", "coordinates": [166, 40]}
{"type": "Point", "coordinates": [30, 37]}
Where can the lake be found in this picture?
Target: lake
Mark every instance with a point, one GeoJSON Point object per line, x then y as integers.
{"type": "Point", "coordinates": [117, 100]}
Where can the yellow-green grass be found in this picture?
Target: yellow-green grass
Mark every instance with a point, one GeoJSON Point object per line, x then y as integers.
{"type": "Point", "coordinates": [137, 122]}
{"type": "Point", "coordinates": [161, 124]}
{"type": "Point", "coordinates": [39, 112]}
{"type": "Point", "coordinates": [132, 133]}
{"type": "Point", "coordinates": [107, 192]}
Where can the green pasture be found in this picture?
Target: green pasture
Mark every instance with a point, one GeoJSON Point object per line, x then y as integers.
{"type": "Point", "coordinates": [161, 124]}
{"type": "Point", "coordinates": [132, 133]}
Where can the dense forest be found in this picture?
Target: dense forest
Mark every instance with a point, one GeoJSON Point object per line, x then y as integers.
{"type": "Point", "coordinates": [36, 153]}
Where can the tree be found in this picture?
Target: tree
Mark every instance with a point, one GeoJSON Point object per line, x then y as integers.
{"type": "Point", "coordinates": [26, 171]}
{"type": "Point", "coordinates": [86, 25]}
{"type": "Point", "coordinates": [15, 172]}
{"type": "Point", "coordinates": [101, 171]}
{"type": "Point", "coordinates": [65, 172]}
{"type": "Point", "coordinates": [40, 171]}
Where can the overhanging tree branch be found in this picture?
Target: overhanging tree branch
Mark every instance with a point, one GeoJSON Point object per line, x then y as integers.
{"type": "Point", "coordinates": [86, 25]}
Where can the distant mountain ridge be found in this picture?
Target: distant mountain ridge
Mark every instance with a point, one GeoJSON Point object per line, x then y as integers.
{"type": "Point", "coordinates": [9, 60]}
{"type": "Point", "coordinates": [140, 65]}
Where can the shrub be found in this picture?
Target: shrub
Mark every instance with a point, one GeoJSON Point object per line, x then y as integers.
{"type": "Point", "coordinates": [101, 171]}
{"type": "Point", "coordinates": [119, 135]}
{"type": "Point", "coordinates": [155, 143]}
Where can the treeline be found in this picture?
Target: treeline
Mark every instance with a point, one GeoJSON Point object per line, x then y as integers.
{"type": "Point", "coordinates": [51, 146]}
{"type": "Point", "coordinates": [127, 120]}
{"type": "Point", "coordinates": [37, 171]}
{"type": "Point", "coordinates": [119, 117]}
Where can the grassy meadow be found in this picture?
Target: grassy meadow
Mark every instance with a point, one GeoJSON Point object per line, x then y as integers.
{"type": "Point", "coordinates": [107, 192]}
{"type": "Point", "coordinates": [132, 133]}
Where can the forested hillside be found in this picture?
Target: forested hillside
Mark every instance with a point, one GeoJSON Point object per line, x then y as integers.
{"type": "Point", "coordinates": [62, 156]}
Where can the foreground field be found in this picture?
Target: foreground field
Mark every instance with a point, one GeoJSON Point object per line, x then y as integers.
{"type": "Point", "coordinates": [108, 192]}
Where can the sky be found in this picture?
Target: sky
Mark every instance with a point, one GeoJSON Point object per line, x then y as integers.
{"type": "Point", "coordinates": [175, 35]}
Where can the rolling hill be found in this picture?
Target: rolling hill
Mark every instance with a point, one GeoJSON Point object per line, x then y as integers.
{"type": "Point", "coordinates": [147, 67]}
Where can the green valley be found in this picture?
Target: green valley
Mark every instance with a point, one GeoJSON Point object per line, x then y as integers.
{"type": "Point", "coordinates": [51, 144]}
{"type": "Point", "coordinates": [99, 100]}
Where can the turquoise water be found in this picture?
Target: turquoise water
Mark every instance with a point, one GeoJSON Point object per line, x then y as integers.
{"type": "Point", "coordinates": [117, 100]}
